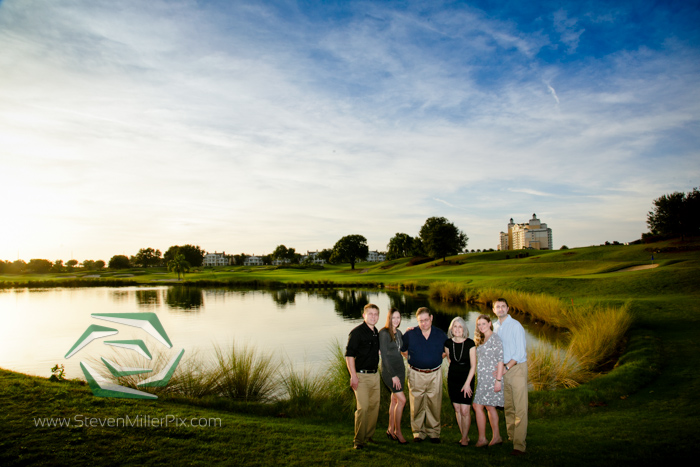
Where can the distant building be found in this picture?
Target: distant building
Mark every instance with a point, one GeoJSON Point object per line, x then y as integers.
{"type": "Point", "coordinates": [375, 257]}
{"type": "Point", "coordinates": [253, 261]}
{"type": "Point", "coordinates": [216, 259]}
{"type": "Point", "coordinates": [533, 235]}
{"type": "Point", "coordinates": [312, 257]}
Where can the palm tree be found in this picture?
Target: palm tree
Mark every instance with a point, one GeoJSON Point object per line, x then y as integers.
{"type": "Point", "coordinates": [179, 264]}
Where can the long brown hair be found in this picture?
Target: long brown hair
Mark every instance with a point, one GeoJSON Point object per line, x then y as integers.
{"type": "Point", "coordinates": [388, 323]}
{"type": "Point", "coordinates": [478, 336]}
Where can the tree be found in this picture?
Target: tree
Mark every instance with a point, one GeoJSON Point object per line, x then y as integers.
{"type": "Point", "coordinates": [99, 264]}
{"type": "Point", "coordinates": [281, 253]}
{"type": "Point", "coordinates": [88, 264]}
{"type": "Point", "coordinates": [400, 246]}
{"type": "Point", "coordinates": [193, 254]}
{"type": "Point", "coordinates": [325, 255]}
{"type": "Point", "coordinates": [119, 262]}
{"type": "Point", "coordinates": [18, 267]}
{"type": "Point", "coordinates": [57, 266]}
{"type": "Point", "coordinates": [71, 263]}
{"type": "Point", "coordinates": [179, 264]}
{"type": "Point", "coordinates": [350, 249]}
{"type": "Point", "coordinates": [39, 266]}
{"type": "Point", "coordinates": [240, 259]}
{"type": "Point", "coordinates": [676, 215]}
{"type": "Point", "coordinates": [147, 257]}
{"type": "Point", "coordinates": [442, 238]}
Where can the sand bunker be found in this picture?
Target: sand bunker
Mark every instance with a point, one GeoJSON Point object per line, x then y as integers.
{"type": "Point", "coordinates": [639, 268]}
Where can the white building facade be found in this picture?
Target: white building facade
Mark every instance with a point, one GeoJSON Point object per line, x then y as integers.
{"type": "Point", "coordinates": [253, 261]}
{"type": "Point", "coordinates": [375, 257]}
{"type": "Point", "coordinates": [216, 259]}
{"type": "Point", "coordinates": [533, 235]}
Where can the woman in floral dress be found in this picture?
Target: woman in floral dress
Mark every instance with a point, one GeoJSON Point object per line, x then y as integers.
{"type": "Point", "coordinates": [489, 389]}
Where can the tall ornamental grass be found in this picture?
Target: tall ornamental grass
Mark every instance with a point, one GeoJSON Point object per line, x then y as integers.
{"type": "Point", "coordinates": [245, 374]}
{"type": "Point", "coordinates": [551, 368]}
{"type": "Point", "coordinates": [596, 331]}
{"type": "Point", "coordinates": [303, 387]}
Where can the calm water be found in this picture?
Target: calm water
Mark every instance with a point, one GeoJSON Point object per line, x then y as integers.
{"type": "Point", "coordinates": [41, 325]}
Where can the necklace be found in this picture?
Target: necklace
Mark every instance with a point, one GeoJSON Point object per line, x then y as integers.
{"type": "Point", "coordinates": [454, 352]}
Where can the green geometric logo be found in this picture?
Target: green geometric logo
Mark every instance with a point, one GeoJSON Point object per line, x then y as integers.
{"type": "Point", "coordinates": [149, 322]}
{"type": "Point", "coordinates": [102, 387]}
{"type": "Point", "coordinates": [91, 333]}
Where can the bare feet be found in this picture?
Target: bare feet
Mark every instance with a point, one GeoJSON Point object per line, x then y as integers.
{"type": "Point", "coordinates": [496, 441]}
{"type": "Point", "coordinates": [482, 443]}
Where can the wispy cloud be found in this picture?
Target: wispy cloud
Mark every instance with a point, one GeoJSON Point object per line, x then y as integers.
{"type": "Point", "coordinates": [240, 126]}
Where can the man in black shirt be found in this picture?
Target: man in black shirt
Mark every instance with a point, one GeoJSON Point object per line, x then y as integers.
{"type": "Point", "coordinates": [362, 359]}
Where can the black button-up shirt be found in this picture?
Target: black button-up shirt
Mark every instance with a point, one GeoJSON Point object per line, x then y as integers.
{"type": "Point", "coordinates": [363, 344]}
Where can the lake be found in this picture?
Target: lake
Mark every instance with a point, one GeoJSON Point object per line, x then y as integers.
{"type": "Point", "coordinates": [41, 325]}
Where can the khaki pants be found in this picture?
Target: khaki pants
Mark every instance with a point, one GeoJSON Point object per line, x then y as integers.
{"type": "Point", "coordinates": [515, 407]}
{"type": "Point", "coordinates": [425, 395]}
{"type": "Point", "coordinates": [367, 395]}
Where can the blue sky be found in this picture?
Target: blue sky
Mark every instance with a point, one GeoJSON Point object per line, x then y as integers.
{"type": "Point", "coordinates": [239, 126]}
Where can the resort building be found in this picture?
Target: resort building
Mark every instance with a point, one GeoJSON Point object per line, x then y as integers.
{"type": "Point", "coordinates": [375, 257]}
{"type": "Point", "coordinates": [253, 261]}
{"type": "Point", "coordinates": [216, 259]}
{"type": "Point", "coordinates": [534, 235]}
{"type": "Point", "coordinates": [312, 257]}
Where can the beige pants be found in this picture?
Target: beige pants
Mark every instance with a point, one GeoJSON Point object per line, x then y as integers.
{"type": "Point", "coordinates": [425, 395]}
{"type": "Point", "coordinates": [515, 407]}
{"type": "Point", "coordinates": [367, 395]}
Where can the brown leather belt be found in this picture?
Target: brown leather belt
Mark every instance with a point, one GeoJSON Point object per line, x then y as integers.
{"type": "Point", "coordinates": [420, 370]}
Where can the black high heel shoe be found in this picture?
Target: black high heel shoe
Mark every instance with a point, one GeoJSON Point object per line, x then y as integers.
{"type": "Point", "coordinates": [391, 437]}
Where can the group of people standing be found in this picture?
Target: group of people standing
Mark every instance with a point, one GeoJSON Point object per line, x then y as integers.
{"type": "Point", "coordinates": [497, 360]}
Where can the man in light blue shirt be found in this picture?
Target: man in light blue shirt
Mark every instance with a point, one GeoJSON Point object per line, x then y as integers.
{"type": "Point", "coordinates": [512, 335]}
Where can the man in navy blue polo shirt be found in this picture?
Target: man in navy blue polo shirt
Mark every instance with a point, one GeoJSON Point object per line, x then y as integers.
{"type": "Point", "coordinates": [424, 347]}
{"type": "Point", "coordinates": [362, 359]}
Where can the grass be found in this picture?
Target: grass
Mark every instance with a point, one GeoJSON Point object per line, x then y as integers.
{"type": "Point", "coordinates": [629, 414]}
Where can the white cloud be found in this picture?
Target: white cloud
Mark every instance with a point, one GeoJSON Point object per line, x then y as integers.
{"type": "Point", "coordinates": [163, 123]}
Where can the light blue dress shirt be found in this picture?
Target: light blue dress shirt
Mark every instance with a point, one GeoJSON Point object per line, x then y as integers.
{"type": "Point", "coordinates": [512, 335]}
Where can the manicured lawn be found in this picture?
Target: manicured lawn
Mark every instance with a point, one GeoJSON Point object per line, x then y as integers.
{"type": "Point", "coordinates": [645, 412]}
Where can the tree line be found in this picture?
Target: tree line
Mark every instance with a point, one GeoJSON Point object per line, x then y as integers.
{"type": "Point", "coordinates": [437, 238]}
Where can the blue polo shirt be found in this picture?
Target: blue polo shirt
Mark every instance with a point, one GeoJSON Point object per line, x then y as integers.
{"type": "Point", "coordinates": [423, 353]}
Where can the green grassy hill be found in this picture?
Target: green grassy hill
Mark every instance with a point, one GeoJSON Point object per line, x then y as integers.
{"type": "Point", "coordinates": [644, 412]}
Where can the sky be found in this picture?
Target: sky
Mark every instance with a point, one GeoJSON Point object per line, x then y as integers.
{"type": "Point", "coordinates": [238, 126]}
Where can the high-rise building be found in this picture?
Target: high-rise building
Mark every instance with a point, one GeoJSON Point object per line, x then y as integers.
{"type": "Point", "coordinates": [534, 235]}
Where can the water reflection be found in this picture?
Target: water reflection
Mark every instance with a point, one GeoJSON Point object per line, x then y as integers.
{"type": "Point", "coordinates": [38, 328]}
{"type": "Point", "coordinates": [185, 298]}
{"type": "Point", "coordinates": [283, 297]}
{"type": "Point", "coordinates": [148, 298]}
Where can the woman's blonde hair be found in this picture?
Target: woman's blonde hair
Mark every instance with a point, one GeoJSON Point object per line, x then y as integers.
{"type": "Point", "coordinates": [478, 335]}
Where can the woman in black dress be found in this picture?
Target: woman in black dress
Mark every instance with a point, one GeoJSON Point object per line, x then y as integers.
{"type": "Point", "coordinates": [461, 353]}
{"type": "Point", "coordinates": [393, 372]}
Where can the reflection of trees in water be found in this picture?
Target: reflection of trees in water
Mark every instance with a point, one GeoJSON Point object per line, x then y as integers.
{"type": "Point", "coordinates": [148, 298]}
{"type": "Point", "coordinates": [283, 297]}
{"type": "Point", "coordinates": [444, 312]}
{"type": "Point", "coordinates": [120, 295]}
{"type": "Point", "coordinates": [406, 304]}
{"type": "Point", "coordinates": [184, 298]}
{"type": "Point", "coordinates": [348, 303]}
